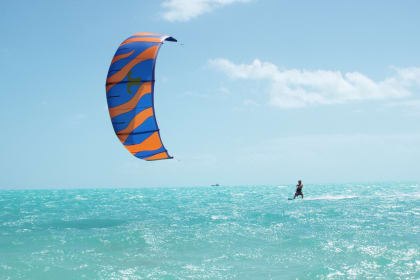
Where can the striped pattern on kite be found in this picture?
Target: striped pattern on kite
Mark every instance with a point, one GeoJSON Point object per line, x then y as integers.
{"type": "Point", "coordinates": [129, 92]}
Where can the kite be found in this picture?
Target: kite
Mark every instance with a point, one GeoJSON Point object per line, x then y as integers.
{"type": "Point", "coordinates": [129, 92]}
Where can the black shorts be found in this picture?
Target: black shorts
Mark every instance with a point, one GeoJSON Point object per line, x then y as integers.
{"type": "Point", "coordinates": [298, 193]}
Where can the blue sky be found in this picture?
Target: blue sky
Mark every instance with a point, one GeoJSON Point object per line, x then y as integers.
{"type": "Point", "coordinates": [259, 92]}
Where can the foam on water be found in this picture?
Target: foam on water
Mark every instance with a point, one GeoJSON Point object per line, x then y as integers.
{"type": "Point", "coordinates": [331, 197]}
{"type": "Point", "coordinates": [351, 231]}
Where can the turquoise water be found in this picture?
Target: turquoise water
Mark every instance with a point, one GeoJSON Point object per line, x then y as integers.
{"type": "Point", "coordinates": [349, 231]}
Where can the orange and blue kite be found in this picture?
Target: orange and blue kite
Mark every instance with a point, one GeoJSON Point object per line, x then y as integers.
{"type": "Point", "coordinates": [129, 92]}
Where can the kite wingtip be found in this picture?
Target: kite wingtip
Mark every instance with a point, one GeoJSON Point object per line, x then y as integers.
{"type": "Point", "coordinates": [171, 39]}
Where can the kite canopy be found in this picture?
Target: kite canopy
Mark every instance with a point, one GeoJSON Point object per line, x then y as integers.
{"type": "Point", "coordinates": [129, 92]}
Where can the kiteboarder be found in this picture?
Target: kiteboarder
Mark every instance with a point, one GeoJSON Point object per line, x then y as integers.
{"type": "Point", "coordinates": [299, 188]}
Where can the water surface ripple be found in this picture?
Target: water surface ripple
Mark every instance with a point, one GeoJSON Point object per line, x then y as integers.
{"type": "Point", "coordinates": [348, 231]}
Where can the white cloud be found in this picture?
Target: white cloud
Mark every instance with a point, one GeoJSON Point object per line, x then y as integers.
{"type": "Point", "coordinates": [293, 88]}
{"type": "Point", "coordinates": [184, 10]}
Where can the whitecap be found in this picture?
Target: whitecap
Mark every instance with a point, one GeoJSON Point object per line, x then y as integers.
{"type": "Point", "coordinates": [192, 267]}
{"type": "Point", "coordinates": [334, 274]}
{"type": "Point", "coordinates": [50, 205]}
{"type": "Point", "coordinates": [219, 217]}
{"type": "Point", "coordinates": [332, 197]}
{"type": "Point", "coordinates": [128, 271]}
{"type": "Point", "coordinates": [138, 196]}
{"type": "Point", "coordinates": [238, 194]}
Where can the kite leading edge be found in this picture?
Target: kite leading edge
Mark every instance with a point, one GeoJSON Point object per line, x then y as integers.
{"type": "Point", "coordinates": [129, 91]}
